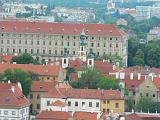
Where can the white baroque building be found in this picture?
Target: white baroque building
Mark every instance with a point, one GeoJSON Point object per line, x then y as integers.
{"type": "Point", "coordinates": [47, 40]}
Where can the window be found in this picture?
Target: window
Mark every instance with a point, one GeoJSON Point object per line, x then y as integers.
{"type": "Point", "coordinates": [13, 112]}
{"type": "Point", "coordinates": [1, 41]}
{"type": "Point", "coordinates": [1, 49]}
{"type": "Point", "coordinates": [140, 94]}
{"type": "Point", "coordinates": [13, 50]}
{"type": "Point", "coordinates": [154, 95]}
{"type": "Point", "coordinates": [44, 42]}
{"type": "Point", "coordinates": [38, 106]}
{"type": "Point", "coordinates": [20, 42]}
{"type": "Point", "coordinates": [83, 103]}
{"type": "Point", "coordinates": [98, 44]}
{"type": "Point", "coordinates": [56, 52]}
{"type": "Point", "coordinates": [55, 43]}
{"type": "Point", "coordinates": [37, 51]}
{"type": "Point", "coordinates": [92, 44]}
{"type": "Point", "coordinates": [25, 50]}
{"type": "Point", "coordinates": [61, 52]}
{"type": "Point", "coordinates": [31, 42]}
{"type": "Point", "coordinates": [117, 105]}
{"type": "Point", "coordinates": [90, 62]}
{"type": "Point", "coordinates": [97, 104]}
{"type": "Point", "coordinates": [62, 43]}
{"type": "Point", "coordinates": [7, 41]}
{"type": "Point", "coordinates": [48, 103]}
{"type": "Point", "coordinates": [76, 103]}
{"type": "Point", "coordinates": [26, 42]}
{"type": "Point", "coordinates": [90, 104]}
{"type": "Point", "coordinates": [67, 43]}
{"type": "Point", "coordinates": [74, 52]}
{"type": "Point", "coordinates": [50, 42]}
{"type": "Point", "coordinates": [31, 51]}
{"type": "Point", "coordinates": [62, 37]}
{"type": "Point", "coordinates": [104, 102]}
{"type": "Point", "coordinates": [110, 38]}
{"type": "Point", "coordinates": [38, 96]}
{"type": "Point", "coordinates": [65, 61]}
{"type": "Point", "coordinates": [74, 37]}
{"type": "Point", "coordinates": [44, 51]}
{"type": "Point", "coordinates": [31, 96]}
{"type": "Point", "coordinates": [104, 45]}
{"type": "Point", "coordinates": [147, 94]}
{"type": "Point", "coordinates": [7, 50]}
{"type": "Point", "coordinates": [108, 101]}
{"type": "Point", "coordinates": [68, 37]}
{"type": "Point", "coordinates": [92, 38]}
{"type": "Point", "coordinates": [13, 41]}
{"type": "Point", "coordinates": [104, 110]}
{"type": "Point", "coordinates": [110, 45]}
{"type": "Point", "coordinates": [37, 42]}
{"type": "Point", "coordinates": [147, 86]}
{"type": "Point", "coordinates": [74, 44]}
{"type": "Point", "coordinates": [69, 103]}
{"type": "Point", "coordinates": [117, 45]}
{"type": "Point", "coordinates": [19, 50]}
{"type": "Point", "coordinates": [5, 112]}
{"type": "Point", "coordinates": [50, 52]}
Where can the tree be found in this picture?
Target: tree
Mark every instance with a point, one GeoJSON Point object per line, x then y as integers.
{"type": "Point", "coordinates": [18, 75]}
{"type": "Point", "coordinates": [93, 79]}
{"type": "Point", "coordinates": [139, 58]}
{"type": "Point", "coordinates": [24, 59]}
{"type": "Point", "coordinates": [146, 104]}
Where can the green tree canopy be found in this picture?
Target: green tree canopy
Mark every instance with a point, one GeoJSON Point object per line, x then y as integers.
{"type": "Point", "coordinates": [93, 79]}
{"type": "Point", "coordinates": [18, 75]}
{"type": "Point", "coordinates": [139, 58]}
{"type": "Point", "coordinates": [24, 59]}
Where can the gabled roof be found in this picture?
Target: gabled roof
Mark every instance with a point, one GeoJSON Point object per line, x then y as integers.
{"type": "Point", "coordinates": [53, 115]}
{"type": "Point", "coordinates": [42, 70]}
{"type": "Point", "coordinates": [84, 116]}
{"type": "Point", "coordinates": [11, 95]}
{"type": "Point", "coordinates": [42, 86]}
{"type": "Point", "coordinates": [60, 28]}
{"type": "Point", "coordinates": [84, 94]}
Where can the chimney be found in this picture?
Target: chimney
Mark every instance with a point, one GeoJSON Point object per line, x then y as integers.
{"type": "Point", "coordinates": [13, 89]}
{"type": "Point", "coordinates": [139, 76]}
{"type": "Point", "coordinates": [19, 85]}
{"type": "Point", "coordinates": [102, 91]}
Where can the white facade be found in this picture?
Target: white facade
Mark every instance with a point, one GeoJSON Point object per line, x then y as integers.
{"type": "Point", "coordinates": [14, 114]}
{"type": "Point", "coordinates": [87, 105]}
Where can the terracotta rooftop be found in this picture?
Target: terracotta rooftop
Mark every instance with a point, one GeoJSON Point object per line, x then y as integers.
{"type": "Point", "coordinates": [84, 94]}
{"type": "Point", "coordinates": [11, 95]}
{"type": "Point", "coordinates": [6, 58]}
{"type": "Point", "coordinates": [58, 103]}
{"type": "Point", "coordinates": [42, 70]}
{"type": "Point", "coordinates": [74, 76]}
{"type": "Point", "coordinates": [42, 86]}
{"type": "Point", "coordinates": [136, 116]}
{"type": "Point", "coordinates": [84, 116]}
{"type": "Point", "coordinates": [60, 28]}
{"type": "Point", "coordinates": [53, 115]}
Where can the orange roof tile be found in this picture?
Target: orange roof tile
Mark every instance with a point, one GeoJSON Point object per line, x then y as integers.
{"type": "Point", "coordinates": [84, 116]}
{"type": "Point", "coordinates": [61, 28]}
{"type": "Point", "coordinates": [42, 70]}
{"type": "Point", "coordinates": [58, 103]}
{"type": "Point", "coordinates": [9, 97]}
{"type": "Point", "coordinates": [53, 115]}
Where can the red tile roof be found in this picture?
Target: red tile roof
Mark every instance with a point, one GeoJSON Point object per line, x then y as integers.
{"type": "Point", "coordinates": [77, 64]}
{"type": "Point", "coordinates": [6, 58]}
{"type": "Point", "coordinates": [42, 70]}
{"type": "Point", "coordinates": [11, 95]}
{"type": "Point", "coordinates": [156, 81]}
{"type": "Point", "coordinates": [137, 116]}
{"type": "Point", "coordinates": [53, 115]}
{"type": "Point", "coordinates": [42, 86]}
{"type": "Point", "coordinates": [84, 94]}
{"type": "Point", "coordinates": [60, 28]}
{"type": "Point", "coordinates": [84, 116]}
{"type": "Point", "coordinates": [58, 103]}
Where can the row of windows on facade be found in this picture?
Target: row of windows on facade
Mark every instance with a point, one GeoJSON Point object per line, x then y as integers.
{"type": "Point", "coordinates": [45, 52]}
{"type": "Point", "coordinates": [54, 36]}
{"type": "Point", "coordinates": [56, 43]}
{"type": "Point", "coordinates": [6, 112]}
{"type": "Point", "coordinates": [24, 118]}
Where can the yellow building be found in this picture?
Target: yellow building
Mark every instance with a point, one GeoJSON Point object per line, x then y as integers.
{"type": "Point", "coordinates": [113, 105]}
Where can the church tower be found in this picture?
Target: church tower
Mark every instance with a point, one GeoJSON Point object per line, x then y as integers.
{"type": "Point", "coordinates": [90, 59]}
{"type": "Point", "coordinates": [82, 47]}
{"type": "Point", "coordinates": [65, 59]}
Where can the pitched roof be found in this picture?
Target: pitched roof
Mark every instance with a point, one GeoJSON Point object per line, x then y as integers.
{"type": "Point", "coordinates": [53, 115]}
{"type": "Point", "coordinates": [84, 94]}
{"type": "Point", "coordinates": [58, 103]}
{"type": "Point", "coordinates": [6, 58]}
{"type": "Point", "coordinates": [11, 95]}
{"type": "Point", "coordinates": [136, 116]}
{"type": "Point", "coordinates": [74, 76]}
{"type": "Point", "coordinates": [84, 116]}
{"type": "Point", "coordinates": [60, 28]}
{"type": "Point", "coordinates": [77, 64]}
{"type": "Point", "coordinates": [156, 81]}
{"type": "Point", "coordinates": [42, 86]}
{"type": "Point", "coordinates": [43, 70]}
